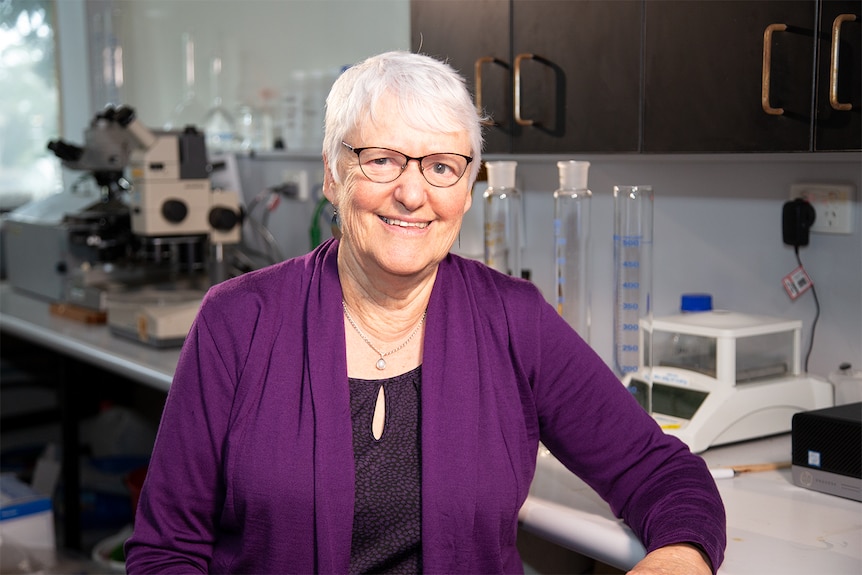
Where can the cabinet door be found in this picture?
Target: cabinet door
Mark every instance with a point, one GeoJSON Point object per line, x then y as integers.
{"type": "Point", "coordinates": [464, 33]}
{"type": "Point", "coordinates": [579, 82]}
{"type": "Point", "coordinates": [704, 75]}
{"type": "Point", "coordinates": [837, 124]}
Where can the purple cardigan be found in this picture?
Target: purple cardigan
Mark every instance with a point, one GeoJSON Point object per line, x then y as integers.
{"type": "Point", "coordinates": [252, 470]}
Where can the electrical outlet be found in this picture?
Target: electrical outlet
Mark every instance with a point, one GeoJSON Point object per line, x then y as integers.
{"type": "Point", "coordinates": [301, 179]}
{"type": "Point", "coordinates": [832, 203]}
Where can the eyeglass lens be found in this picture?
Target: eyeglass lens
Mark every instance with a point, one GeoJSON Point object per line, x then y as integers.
{"type": "Point", "coordinates": [382, 165]}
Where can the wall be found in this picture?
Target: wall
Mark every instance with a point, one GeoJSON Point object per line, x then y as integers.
{"type": "Point", "coordinates": [262, 42]}
{"type": "Point", "coordinates": [717, 218]}
{"type": "Point", "coordinates": [717, 230]}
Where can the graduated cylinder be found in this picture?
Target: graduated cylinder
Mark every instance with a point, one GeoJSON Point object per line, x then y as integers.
{"type": "Point", "coordinates": [572, 203]}
{"type": "Point", "coordinates": [633, 244]}
{"type": "Point", "coordinates": [503, 219]}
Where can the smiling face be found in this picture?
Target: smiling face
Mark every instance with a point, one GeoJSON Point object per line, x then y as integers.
{"type": "Point", "coordinates": [407, 226]}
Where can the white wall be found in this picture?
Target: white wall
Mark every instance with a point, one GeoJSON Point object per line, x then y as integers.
{"type": "Point", "coordinates": [262, 43]}
{"type": "Point", "coordinates": [717, 218]}
{"type": "Point", "coordinates": [717, 230]}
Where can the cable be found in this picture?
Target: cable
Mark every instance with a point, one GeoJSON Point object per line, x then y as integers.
{"type": "Point", "coordinates": [816, 314]}
{"type": "Point", "coordinates": [314, 231]}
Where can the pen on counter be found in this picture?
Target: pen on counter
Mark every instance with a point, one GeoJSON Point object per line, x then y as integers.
{"type": "Point", "coordinates": [734, 470]}
{"type": "Point", "coordinates": [722, 472]}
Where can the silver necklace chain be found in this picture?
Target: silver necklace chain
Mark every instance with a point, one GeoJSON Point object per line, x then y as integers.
{"type": "Point", "coordinates": [381, 363]}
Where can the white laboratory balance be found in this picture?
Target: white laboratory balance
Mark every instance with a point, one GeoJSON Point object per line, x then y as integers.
{"type": "Point", "coordinates": [719, 377]}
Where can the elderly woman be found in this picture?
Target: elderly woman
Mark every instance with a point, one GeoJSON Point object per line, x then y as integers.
{"type": "Point", "coordinates": [377, 405]}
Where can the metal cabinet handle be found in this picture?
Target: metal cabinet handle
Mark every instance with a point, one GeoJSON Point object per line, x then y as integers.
{"type": "Point", "coordinates": [477, 70]}
{"type": "Point", "coordinates": [767, 66]}
{"type": "Point", "coordinates": [517, 90]}
{"type": "Point", "coordinates": [833, 65]}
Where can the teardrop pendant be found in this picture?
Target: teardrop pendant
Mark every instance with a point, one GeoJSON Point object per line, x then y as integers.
{"type": "Point", "coordinates": [381, 364]}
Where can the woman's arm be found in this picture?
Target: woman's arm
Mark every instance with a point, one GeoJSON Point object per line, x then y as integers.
{"type": "Point", "coordinates": [677, 559]}
{"type": "Point", "coordinates": [593, 425]}
{"type": "Point", "coordinates": [183, 492]}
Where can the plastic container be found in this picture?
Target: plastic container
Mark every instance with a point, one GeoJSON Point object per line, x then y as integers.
{"type": "Point", "coordinates": [134, 481]}
{"type": "Point", "coordinates": [693, 302]}
{"type": "Point", "coordinates": [695, 350]}
{"type": "Point", "coordinates": [572, 205]}
{"type": "Point", "coordinates": [848, 384]}
{"type": "Point", "coordinates": [503, 210]}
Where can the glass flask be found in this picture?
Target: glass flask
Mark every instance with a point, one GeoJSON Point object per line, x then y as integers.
{"type": "Point", "coordinates": [219, 127]}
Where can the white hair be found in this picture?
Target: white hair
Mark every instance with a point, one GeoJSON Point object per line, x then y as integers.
{"type": "Point", "coordinates": [430, 94]}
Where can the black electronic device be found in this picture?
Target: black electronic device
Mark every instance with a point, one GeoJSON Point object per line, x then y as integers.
{"type": "Point", "coordinates": [797, 217]}
{"type": "Point", "coordinates": [827, 450]}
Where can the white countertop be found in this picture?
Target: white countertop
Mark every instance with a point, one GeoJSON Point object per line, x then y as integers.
{"type": "Point", "coordinates": [773, 526]}
{"type": "Point", "coordinates": [31, 319]}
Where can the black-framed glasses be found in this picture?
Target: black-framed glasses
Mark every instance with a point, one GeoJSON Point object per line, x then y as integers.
{"type": "Point", "coordinates": [382, 165]}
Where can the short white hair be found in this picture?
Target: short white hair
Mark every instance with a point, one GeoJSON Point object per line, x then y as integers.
{"type": "Point", "coordinates": [430, 94]}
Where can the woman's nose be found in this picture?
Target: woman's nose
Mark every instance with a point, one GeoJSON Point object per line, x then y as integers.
{"type": "Point", "coordinates": [412, 186]}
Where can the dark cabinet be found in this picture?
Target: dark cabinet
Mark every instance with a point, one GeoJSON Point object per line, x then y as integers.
{"type": "Point", "coordinates": [838, 97]}
{"type": "Point", "coordinates": [749, 76]}
{"type": "Point", "coordinates": [656, 76]}
{"type": "Point", "coordinates": [708, 72]}
{"type": "Point", "coordinates": [472, 35]}
{"type": "Point", "coordinates": [556, 76]}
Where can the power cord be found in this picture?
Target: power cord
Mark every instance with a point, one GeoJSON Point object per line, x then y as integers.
{"type": "Point", "coordinates": [315, 231]}
{"type": "Point", "coordinates": [816, 314]}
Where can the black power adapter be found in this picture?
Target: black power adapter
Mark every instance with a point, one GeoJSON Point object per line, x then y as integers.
{"type": "Point", "coordinates": [797, 217]}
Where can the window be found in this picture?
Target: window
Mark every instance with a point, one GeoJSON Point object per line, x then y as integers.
{"type": "Point", "coordinates": [29, 102]}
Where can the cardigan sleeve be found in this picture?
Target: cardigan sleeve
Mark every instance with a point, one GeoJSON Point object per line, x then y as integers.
{"type": "Point", "coordinates": [593, 425]}
{"type": "Point", "coordinates": [176, 519]}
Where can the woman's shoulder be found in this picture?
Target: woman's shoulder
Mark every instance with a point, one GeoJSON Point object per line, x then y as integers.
{"type": "Point", "coordinates": [287, 274]}
{"type": "Point", "coordinates": [491, 296]}
{"type": "Point", "coordinates": [482, 279]}
{"type": "Point", "coordinates": [251, 284]}
{"type": "Point", "coordinates": [277, 284]}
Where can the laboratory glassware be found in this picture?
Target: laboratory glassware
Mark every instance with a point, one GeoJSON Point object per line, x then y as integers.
{"type": "Point", "coordinates": [502, 215]}
{"type": "Point", "coordinates": [572, 245]}
{"type": "Point", "coordinates": [219, 126]}
{"type": "Point", "coordinates": [633, 246]}
{"type": "Point", "coordinates": [106, 55]}
{"type": "Point", "coordinates": [293, 111]}
{"type": "Point", "coordinates": [190, 111]}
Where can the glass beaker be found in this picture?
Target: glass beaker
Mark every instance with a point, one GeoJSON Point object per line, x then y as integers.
{"type": "Point", "coordinates": [502, 214]}
{"type": "Point", "coordinates": [633, 244]}
{"type": "Point", "coordinates": [572, 245]}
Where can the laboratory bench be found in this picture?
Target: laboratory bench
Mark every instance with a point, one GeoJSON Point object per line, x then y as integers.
{"type": "Point", "coordinates": [772, 525]}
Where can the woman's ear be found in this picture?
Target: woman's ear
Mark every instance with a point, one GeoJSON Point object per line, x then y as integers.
{"type": "Point", "coordinates": [329, 186]}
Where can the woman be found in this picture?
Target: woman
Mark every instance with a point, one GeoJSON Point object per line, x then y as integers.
{"type": "Point", "coordinates": [377, 404]}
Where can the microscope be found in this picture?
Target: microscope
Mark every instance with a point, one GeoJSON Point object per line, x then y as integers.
{"type": "Point", "coordinates": [155, 232]}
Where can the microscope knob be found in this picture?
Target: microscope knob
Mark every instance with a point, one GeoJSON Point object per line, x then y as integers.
{"type": "Point", "coordinates": [223, 219]}
{"type": "Point", "coordinates": [174, 211]}
{"type": "Point", "coordinates": [124, 115]}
